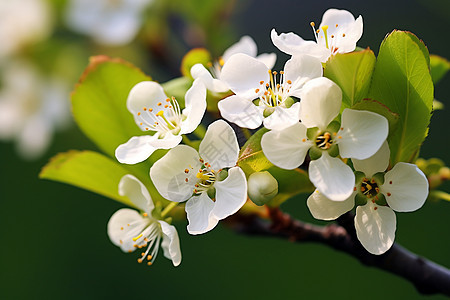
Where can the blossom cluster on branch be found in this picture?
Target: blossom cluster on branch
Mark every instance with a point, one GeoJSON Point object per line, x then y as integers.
{"type": "Point", "coordinates": [329, 124]}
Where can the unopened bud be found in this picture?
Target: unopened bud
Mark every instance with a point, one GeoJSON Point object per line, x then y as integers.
{"type": "Point", "coordinates": [262, 187]}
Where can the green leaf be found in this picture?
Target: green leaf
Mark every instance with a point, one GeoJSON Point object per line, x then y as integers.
{"type": "Point", "coordinates": [251, 157]}
{"type": "Point", "coordinates": [439, 67]}
{"type": "Point", "coordinates": [88, 170]}
{"type": "Point", "coordinates": [99, 102]}
{"type": "Point", "coordinates": [379, 108]}
{"type": "Point", "coordinates": [402, 82]}
{"type": "Point", "coordinates": [290, 184]}
{"type": "Point", "coordinates": [352, 72]}
{"type": "Point", "coordinates": [97, 173]}
{"type": "Point", "coordinates": [177, 88]}
{"type": "Point", "coordinates": [195, 56]}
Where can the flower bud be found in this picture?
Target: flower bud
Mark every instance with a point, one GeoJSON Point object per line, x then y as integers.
{"type": "Point", "coordinates": [262, 187]}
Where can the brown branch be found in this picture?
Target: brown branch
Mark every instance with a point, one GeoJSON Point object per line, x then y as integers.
{"type": "Point", "coordinates": [427, 276]}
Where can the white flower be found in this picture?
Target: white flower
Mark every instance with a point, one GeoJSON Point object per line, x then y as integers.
{"type": "Point", "coordinates": [403, 189]}
{"type": "Point", "coordinates": [359, 135]}
{"type": "Point", "coordinates": [109, 22]}
{"type": "Point", "coordinates": [22, 23]}
{"type": "Point", "coordinates": [209, 179]}
{"type": "Point", "coordinates": [250, 79]}
{"type": "Point", "coordinates": [32, 108]}
{"type": "Point", "coordinates": [131, 230]}
{"type": "Point", "coordinates": [338, 33]}
{"type": "Point", "coordinates": [212, 77]}
{"type": "Point", "coordinates": [154, 111]}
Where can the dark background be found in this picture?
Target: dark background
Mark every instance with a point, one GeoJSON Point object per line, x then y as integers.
{"type": "Point", "coordinates": [53, 242]}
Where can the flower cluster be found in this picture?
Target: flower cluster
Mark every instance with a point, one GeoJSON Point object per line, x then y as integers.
{"type": "Point", "coordinates": [344, 149]}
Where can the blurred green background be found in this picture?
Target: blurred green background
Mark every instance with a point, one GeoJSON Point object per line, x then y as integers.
{"type": "Point", "coordinates": [53, 241]}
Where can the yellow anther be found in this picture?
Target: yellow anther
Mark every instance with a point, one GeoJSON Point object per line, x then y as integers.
{"type": "Point", "coordinates": [160, 113]}
{"type": "Point", "coordinates": [221, 61]}
{"type": "Point", "coordinates": [325, 27]}
{"type": "Point", "coordinates": [140, 260]}
{"type": "Point", "coordinates": [202, 176]}
{"type": "Point", "coordinates": [138, 237]}
{"type": "Point", "coordinates": [145, 214]}
{"type": "Point", "coordinates": [312, 24]}
{"type": "Point", "coordinates": [149, 263]}
{"type": "Point", "coordinates": [149, 257]}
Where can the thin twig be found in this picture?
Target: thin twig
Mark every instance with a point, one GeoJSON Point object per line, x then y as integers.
{"type": "Point", "coordinates": [427, 276]}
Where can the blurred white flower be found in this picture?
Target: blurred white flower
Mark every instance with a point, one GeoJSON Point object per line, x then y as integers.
{"type": "Point", "coordinates": [108, 22]}
{"type": "Point", "coordinates": [337, 33]}
{"type": "Point", "coordinates": [22, 23]}
{"type": "Point", "coordinates": [212, 77]}
{"type": "Point", "coordinates": [32, 107]}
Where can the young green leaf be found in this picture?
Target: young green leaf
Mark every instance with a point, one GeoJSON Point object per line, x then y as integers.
{"type": "Point", "coordinates": [352, 72]}
{"type": "Point", "coordinates": [290, 184]}
{"type": "Point", "coordinates": [439, 67]}
{"type": "Point", "coordinates": [195, 56]}
{"type": "Point", "coordinates": [402, 82]}
{"type": "Point", "coordinates": [99, 102]}
{"type": "Point", "coordinates": [251, 157]}
{"type": "Point", "coordinates": [94, 172]}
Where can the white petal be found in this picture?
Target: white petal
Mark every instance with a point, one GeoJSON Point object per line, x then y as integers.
{"type": "Point", "coordinates": [283, 117]}
{"type": "Point", "coordinates": [171, 243]}
{"type": "Point", "coordinates": [362, 133]}
{"type": "Point", "coordinates": [246, 45]}
{"type": "Point", "coordinates": [136, 191]}
{"type": "Point", "coordinates": [231, 194]}
{"type": "Point", "coordinates": [323, 208]}
{"type": "Point", "coordinates": [321, 102]}
{"type": "Point", "coordinates": [123, 225]}
{"type": "Point", "coordinates": [169, 176]}
{"type": "Point", "coordinates": [195, 101]}
{"type": "Point", "coordinates": [336, 16]}
{"type": "Point", "coordinates": [378, 162]}
{"type": "Point", "coordinates": [300, 69]}
{"type": "Point", "coordinates": [241, 111]}
{"type": "Point", "coordinates": [292, 44]}
{"type": "Point", "coordinates": [219, 147]}
{"type": "Point", "coordinates": [198, 71]}
{"type": "Point", "coordinates": [405, 187]}
{"type": "Point", "coordinates": [375, 227]}
{"type": "Point", "coordinates": [243, 74]}
{"type": "Point", "coordinates": [268, 59]}
{"type": "Point", "coordinates": [199, 214]}
{"type": "Point", "coordinates": [332, 177]}
{"type": "Point", "coordinates": [286, 148]}
{"type": "Point", "coordinates": [145, 94]}
{"type": "Point", "coordinates": [137, 149]}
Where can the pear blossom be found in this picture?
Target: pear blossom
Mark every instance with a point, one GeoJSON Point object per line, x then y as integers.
{"type": "Point", "coordinates": [211, 77]}
{"type": "Point", "coordinates": [131, 230]}
{"type": "Point", "coordinates": [359, 135]}
{"type": "Point", "coordinates": [378, 194]}
{"type": "Point", "coordinates": [23, 23]}
{"type": "Point", "coordinates": [154, 111]}
{"type": "Point", "coordinates": [250, 79]}
{"type": "Point", "coordinates": [209, 179]}
{"type": "Point", "coordinates": [337, 33]}
{"type": "Point", "coordinates": [32, 107]}
{"type": "Point", "coordinates": [108, 22]}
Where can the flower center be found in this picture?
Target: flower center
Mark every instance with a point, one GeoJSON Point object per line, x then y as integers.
{"type": "Point", "coordinates": [166, 117]}
{"type": "Point", "coordinates": [324, 141]}
{"type": "Point", "coordinates": [328, 38]}
{"type": "Point", "coordinates": [216, 67]}
{"type": "Point", "coordinates": [275, 91]}
{"type": "Point", "coordinates": [369, 188]}
{"type": "Point", "coordinates": [149, 237]}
